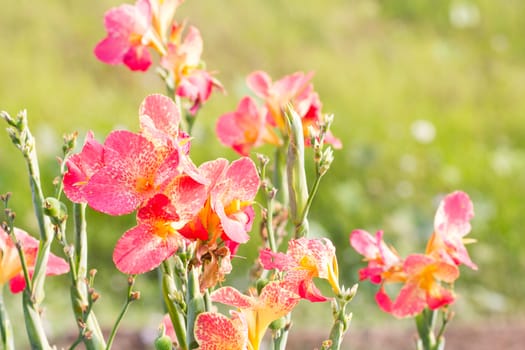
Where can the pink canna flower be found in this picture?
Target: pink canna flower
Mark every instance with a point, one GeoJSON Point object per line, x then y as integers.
{"type": "Point", "coordinates": [197, 88]}
{"type": "Point", "coordinates": [422, 287]}
{"type": "Point", "coordinates": [228, 212]}
{"type": "Point", "coordinates": [305, 260]}
{"type": "Point", "coordinates": [245, 128]}
{"type": "Point", "coordinates": [156, 237]}
{"type": "Point", "coordinates": [451, 224]}
{"type": "Point", "coordinates": [383, 262]}
{"type": "Point", "coordinates": [11, 267]}
{"type": "Point", "coordinates": [215, 331]}
{"type": "Point", "coordinates": [129, 34]}
{"type": "Point", "coordinates": [296, 89]}
{"type": "Point", "coordinates": [81, 167]}
{"type": "Point", "coordinates": [133, 172]}
{"type": "Point", "coordinates": [183, 61]}
{"type": "Point", "coordinates": [274, 302]}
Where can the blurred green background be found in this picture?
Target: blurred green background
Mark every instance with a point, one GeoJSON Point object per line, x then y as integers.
{"type": "Point", "coordinates": [427, 95]}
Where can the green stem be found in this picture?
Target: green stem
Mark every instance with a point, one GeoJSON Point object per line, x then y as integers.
{"type": "Point", "coordinates": [281, 336]}
{"type": "Point", "coordinates": [129, 299]}
{"type": "Point", "coordinates": [425, 324]}
{"type": "Point", "coordinates": [34, 327]}
{"type": "Point", "coordinates": [195, 306]}
{"type": "Point", "coordinates": [89, 329]}
{"type": "Point", "coordinates": [6, 331]}
{"type": "Point", "coordinates": [311, 196]}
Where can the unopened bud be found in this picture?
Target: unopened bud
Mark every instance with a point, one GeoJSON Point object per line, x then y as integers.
{"type": "Point", "coordinates": [55, 209]}
{"type": "Point", "coordinates": [163, 342]}
{"type": "Point", "coordinates": [279, 323]}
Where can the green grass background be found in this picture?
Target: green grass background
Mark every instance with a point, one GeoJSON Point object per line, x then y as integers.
{"type": "Point", "coordinates": [380, 67]}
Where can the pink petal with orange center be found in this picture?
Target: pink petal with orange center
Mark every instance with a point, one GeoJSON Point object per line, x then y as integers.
{"type": "Point", "coordinates": [122, 24]}
{"type": "Point", "coordinates": [128, 177]}
{"type": "Point", "coordinates": [242, 129]}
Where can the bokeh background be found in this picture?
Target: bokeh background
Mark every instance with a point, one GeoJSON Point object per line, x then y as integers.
{"type": "Point", "coordinates": [427, 97]}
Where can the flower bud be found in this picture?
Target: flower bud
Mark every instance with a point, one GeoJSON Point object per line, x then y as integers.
{"type": "Point", "coordinates": [55, 209]}
{"type": "Point", "coordinates": [295, 169]}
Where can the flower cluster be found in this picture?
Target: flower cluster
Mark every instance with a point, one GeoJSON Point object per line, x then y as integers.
{"type": "Point", "coordinates": [150, 172]}
{"type": "Point", "coordinates": [134, 30]}
{"type": "Point", "coordinates": [251, 126]}
{"type": "Point", "coordinates": [424, 276]}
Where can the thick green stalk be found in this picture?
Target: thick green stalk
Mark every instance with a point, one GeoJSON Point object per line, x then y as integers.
{"type": "Point", "coordinates": [425, 329]}
{"type": "Point", "coordinates": [195, 305]}
{"type": "Point", "coordinates": [6, 331]}
{"type": "Point", "coordinates": [22, 138]}
{"type": "Point", "coordinates": [176, 314]}
{"type": "Point", "coordinates": [34, 327]}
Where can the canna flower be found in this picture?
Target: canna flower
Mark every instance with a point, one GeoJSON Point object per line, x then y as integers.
{"type": "Point", "coordinates": [81, 167]}
{"type": "Point", "coordinates": [422, 287]}
{"type": "Point", "coordinates": [383, 262]}
{"type": "Point", "coordinates": [133, 172]}
{"type": "Point", "coordinates": [156, 237]}
{"type": "Point", "coordinates": [183, 61]}
{"type": "Point", "coordinates": [451, 224]}
{"type": "Point", "coordinates": [296, 89]}
{"type": "Point", "coordinates": [129, 34]}
{"type": "Point", "coordinates": [305, 260]}
{"type": "Point", "coordinates": [11, 267]}
{"type": "Point", "coordinates": [274, 302]}
{"type": "Point", "coordinates": [228, 212]}
{"type": "Point", "coordinates": [215, 331]}
{"type": "Point", "coordinates": [245, 128]}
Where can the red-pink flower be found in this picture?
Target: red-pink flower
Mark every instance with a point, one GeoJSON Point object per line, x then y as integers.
{"type": "Point", "coordinates": [422, 288]}
{"type": "Point", "coordinates": [274, 302]}
{"type": "Point", "coordinates": [296, 89]}
{"type": "Point", "coordinates": [11, 267]}
{"type": "Point", "coordinates": [228, 212]}
{"type": "Point", "coordinates": [81, 167]}
{"type": "Point", "coordinates": [214, 331]}
{"type": "Point", "coordinates": [305, 260]}
{"type": "Point", "coordinates": [451, 225]}
{"type": "Point", "coordinates": [134, 170]}
{"type": "Point", "coordinates": [383, 262]}
{"type": "Point", "coordinates": [156, 237]}
{"type": "Point", "coordinates": [183, 61]}
{"type": "Point", "coordinates": [245, 128]}
{"type": "Point", "coordinates": [129, 34]}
